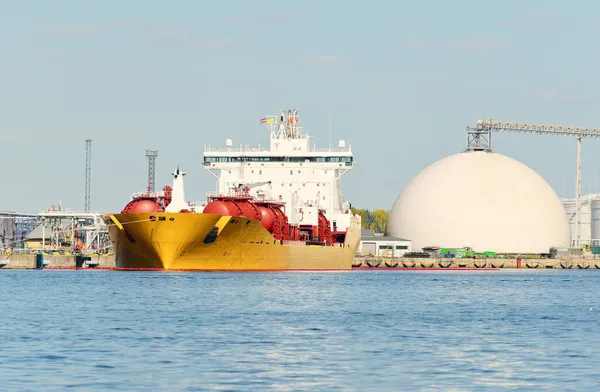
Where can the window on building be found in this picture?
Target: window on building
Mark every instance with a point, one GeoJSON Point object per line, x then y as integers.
{"type": "Point", "coordinates": [260, 172]}
{"type": "Point", "coordinates": [291, 172]}
{"type": "Point", "coordinates": [386, 247]}
{"type": "Point", "coordinates": [401, 247]}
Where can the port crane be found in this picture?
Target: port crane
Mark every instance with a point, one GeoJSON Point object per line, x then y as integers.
{"type": "Point", "coordinates": [479, 138]}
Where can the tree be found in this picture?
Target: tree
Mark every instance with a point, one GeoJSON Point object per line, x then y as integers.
{"type": "Point", "coordinates": [381, 216]}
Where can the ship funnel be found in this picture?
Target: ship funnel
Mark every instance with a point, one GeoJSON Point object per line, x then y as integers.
{"type": "Point", "coordinates": [178, 202]}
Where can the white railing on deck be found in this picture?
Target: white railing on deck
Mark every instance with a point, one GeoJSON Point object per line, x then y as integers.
{"type": "Point", "coordinates": [266, 150]}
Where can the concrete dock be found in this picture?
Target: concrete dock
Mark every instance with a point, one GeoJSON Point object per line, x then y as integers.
{"type": "Point", "coordinates": [55, 261]}
{"type": "Point", "coordinates": [579, 262]}
{"type": "Point", "coordinates": [107, 261]}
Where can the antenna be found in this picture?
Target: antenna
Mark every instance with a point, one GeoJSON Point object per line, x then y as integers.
{"type": "Point", "coordinates": [151, 155]}
{"type": "Point", "coordinates": [88, 172]}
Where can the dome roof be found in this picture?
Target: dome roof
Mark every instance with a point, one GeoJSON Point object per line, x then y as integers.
{"type": "Point", "coordinates": [483, 200]}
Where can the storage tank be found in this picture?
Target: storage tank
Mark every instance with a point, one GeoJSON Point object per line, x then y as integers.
{"type": "Point", "coordinates": [483, 200]}
{"type": "Point", "coordinates": [140, 206]}
{"type": "Point", "coordinates": [589, 217]}
{"type": "Point", "coordinates": [222, 207]}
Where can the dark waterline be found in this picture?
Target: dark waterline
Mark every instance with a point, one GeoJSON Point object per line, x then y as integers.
{"type": "Point", "coordinates": [368, 330]}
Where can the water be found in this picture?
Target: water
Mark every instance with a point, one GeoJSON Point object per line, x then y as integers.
{"type": "Point", "coordinates": [356, 331]}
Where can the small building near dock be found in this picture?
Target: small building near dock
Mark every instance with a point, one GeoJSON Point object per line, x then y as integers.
{"type": "Point", "coordinates": [382, 245]}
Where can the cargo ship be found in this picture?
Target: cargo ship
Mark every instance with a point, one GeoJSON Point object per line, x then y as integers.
{"type": "Point", "coordinates": [274, 209]}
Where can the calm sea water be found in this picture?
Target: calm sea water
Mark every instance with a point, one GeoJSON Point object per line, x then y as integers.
{"type": "Point", "coordinates": [356, 331]}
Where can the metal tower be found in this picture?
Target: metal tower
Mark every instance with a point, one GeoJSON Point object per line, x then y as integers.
{"type": "Point", "coordinates": [151, 154]}
{"type": "Point", "coordinates": [579, 132]}
{"type": "Point", "coordinates": [88, 172]}
{"type": "Point", "coordinates": [479, 139]}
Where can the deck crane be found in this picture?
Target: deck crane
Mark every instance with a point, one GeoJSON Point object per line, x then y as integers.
{"type": "Point", "coordinates": [479, 139]}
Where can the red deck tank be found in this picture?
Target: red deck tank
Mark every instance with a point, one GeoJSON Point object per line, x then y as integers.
{"type": "Point", "coordinates": [141, 206]}
{"type": "Point", "coordinates": [267, 217]}
{"type": "Point", "coordinates": [248, 209]}
{"type": "Point", "coordinates": [222, 207]}
{"type": "Point", "coordinates": [324, 229]}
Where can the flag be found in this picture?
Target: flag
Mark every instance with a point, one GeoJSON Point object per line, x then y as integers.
{"type": "Point", "coordinates": [266, 120]}
{"type": "Point", "coordinates": [263, 120]}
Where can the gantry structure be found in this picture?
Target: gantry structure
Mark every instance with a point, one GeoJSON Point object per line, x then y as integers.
{"type": "Point", "coordinates": [479, 138]}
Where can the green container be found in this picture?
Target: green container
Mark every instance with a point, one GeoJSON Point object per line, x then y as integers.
{"type": "Point", "coordinates": [595, 250]}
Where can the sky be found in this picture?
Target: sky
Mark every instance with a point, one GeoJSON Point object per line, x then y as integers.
{"type": "Point", "coordinates": [402, 80]}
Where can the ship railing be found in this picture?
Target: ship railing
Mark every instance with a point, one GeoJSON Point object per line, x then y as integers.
{"type": "Point", "coordinates": [243, 149]}
{"type": "Point", "coordinates": [147, 194]}
{"type": "Point", "coordinates": [266, 150]}
{"type": "Point", "coordinates": [337, 149]}
{"type": "Point", "coordinates": [241, 194]}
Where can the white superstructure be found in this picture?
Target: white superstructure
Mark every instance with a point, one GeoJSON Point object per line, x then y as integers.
{"type": "Point", "coordinates": [589, 219]}
{"type": "Point", "coordinates": [302, 177]}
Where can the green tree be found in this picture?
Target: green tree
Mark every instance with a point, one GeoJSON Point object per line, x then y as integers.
{"type": "Point", "coordinates": [381, 216]}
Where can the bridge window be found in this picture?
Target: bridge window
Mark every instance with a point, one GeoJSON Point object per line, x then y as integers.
{"type": "Point", "coordinates": [278, 159]}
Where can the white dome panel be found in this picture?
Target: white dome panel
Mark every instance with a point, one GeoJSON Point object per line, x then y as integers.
{"type": "Point", "coordinates": [483, 200]}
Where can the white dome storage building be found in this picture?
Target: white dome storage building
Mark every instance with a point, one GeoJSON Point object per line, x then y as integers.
{"type": "Point", "coordinates": [483, 200]}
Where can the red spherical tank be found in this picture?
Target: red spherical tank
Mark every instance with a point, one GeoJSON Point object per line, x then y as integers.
{"type": "Point", "coordinates": [324, 228]}
{"type": "Point", "coordinates": [222, 207]}
{"type": "Point", "coordinates": [280, 229]}
{"type": "Point", "coordinates": [249, 210]}
{"type": "Point", "coordinates": [141, 206]}
{"type": "Point", "coordinates": [267, 217]}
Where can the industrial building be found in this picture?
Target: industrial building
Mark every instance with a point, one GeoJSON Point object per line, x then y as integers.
{"type": "Point", "coordinates": [589, 219]}
{"type": "Point", "coordinates": [382, 245]}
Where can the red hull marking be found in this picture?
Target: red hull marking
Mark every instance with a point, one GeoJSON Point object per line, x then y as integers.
{"type": "Point", "coordinates": [274, 270]}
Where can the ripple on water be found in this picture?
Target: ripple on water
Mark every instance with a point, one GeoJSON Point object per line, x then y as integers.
{"type": "Point", "coordinates": [360, 331]}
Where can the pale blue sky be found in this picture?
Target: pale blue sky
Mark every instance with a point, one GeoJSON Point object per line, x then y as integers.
{"type": "Point", "coordinates": [403, 79]}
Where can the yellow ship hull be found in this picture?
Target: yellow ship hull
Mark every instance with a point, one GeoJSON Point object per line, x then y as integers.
{"type": "Point", "coordinates": [182, 241]}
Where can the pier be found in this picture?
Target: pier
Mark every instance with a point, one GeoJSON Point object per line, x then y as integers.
{"type": "Point", "coordinates": [107, 261]}
{"type": "Point", "coordinates": [579, 262]}
{"type": "Point", "coordinates": [56, 261]}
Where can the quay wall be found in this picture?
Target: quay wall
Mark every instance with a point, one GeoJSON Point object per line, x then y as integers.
{"type": "Point", "coordinates": [55, 261]}
{"type": "Point", "coordinates": [579, 262]}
